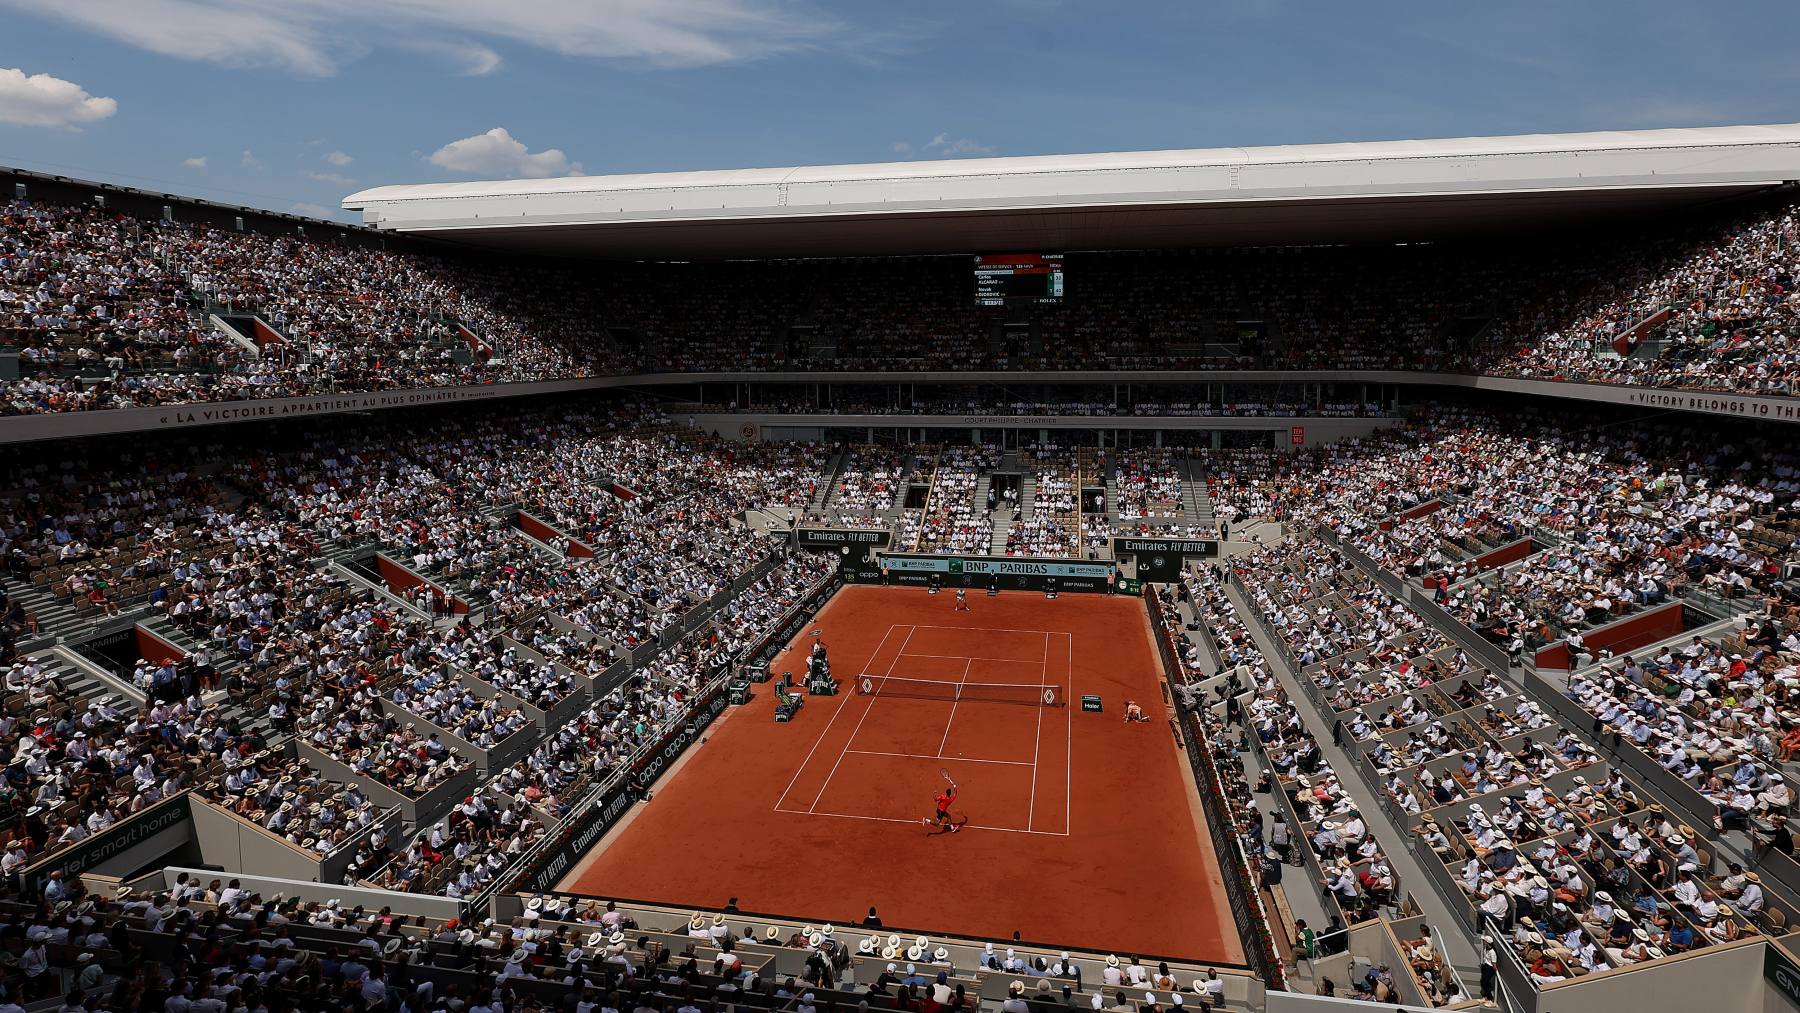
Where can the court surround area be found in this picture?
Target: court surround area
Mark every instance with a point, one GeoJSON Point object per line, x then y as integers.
{"type": "Point", "coordinates": [1077, 829]}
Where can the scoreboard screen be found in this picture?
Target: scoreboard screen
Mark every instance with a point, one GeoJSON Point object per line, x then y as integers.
{"type": "Point", "coordinates": [1003, 278]}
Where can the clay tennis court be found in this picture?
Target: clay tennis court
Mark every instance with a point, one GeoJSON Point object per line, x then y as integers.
{"type": "Point", "coordinates": [1079, 829]}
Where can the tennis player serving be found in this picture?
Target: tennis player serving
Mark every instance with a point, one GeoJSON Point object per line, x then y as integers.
{"type": "Point", "coordinates": [946, 796]}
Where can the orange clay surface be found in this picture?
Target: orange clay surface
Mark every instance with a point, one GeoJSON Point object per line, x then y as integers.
{"type": "Point", "coordinates": [1078, 829]}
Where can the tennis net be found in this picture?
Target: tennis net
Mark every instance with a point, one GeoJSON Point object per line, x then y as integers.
{"type": "Point", "coordinates": [1040, 694]}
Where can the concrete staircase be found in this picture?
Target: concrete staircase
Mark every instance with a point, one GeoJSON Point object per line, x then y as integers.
{"type": "Point", "coordinates": [224, 661]}
{"type": "Point", "coordinates": [1115, 491]}
{"type": "Point", "coordinates": [1197, 501]}
{"type": "Point", "coordinates": [982, 485]}
{"type": "Point", "coordinates": [85, 684]}
{"type": "Point", "coordinates": [828, 484]}
{"type": "Point", "coordinates": [56, 618]}
{"type": "Point", "coordinates": [997, 544]}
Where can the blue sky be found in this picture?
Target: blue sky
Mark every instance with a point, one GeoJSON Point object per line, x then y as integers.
{"type": "Point", "coordinates": [291, 104]}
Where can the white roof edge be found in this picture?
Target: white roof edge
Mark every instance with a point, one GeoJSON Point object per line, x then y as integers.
{"type": "Point", "coordinates": [1460, 147]}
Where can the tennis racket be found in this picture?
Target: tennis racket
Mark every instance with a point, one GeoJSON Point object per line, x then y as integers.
{"type": "Point", "coordinates": [946, 772]}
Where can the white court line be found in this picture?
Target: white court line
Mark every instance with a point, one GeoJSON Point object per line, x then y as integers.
{"type": "Point", "coordinates": [834, 716]}
{"type": "Point", "coordinates": [1037, 740]}
{"type": "Point", "coordinates": [955, 704]}
{"type": "Point", "coordinates": [963, 657]}
{"type": "Point", "coordinates": [892, 819]}
{"type": "Point", "coordinates": [858, 729]}
{"type": "Point", "coordinates": [1069, 746]}
{"type": "Point", "coordinates": [922, 756]}
{"type": "Point", "coordinates": [984, 629]}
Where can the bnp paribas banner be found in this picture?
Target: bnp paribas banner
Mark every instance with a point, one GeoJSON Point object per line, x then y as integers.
{"type": "Point", "coordinates": [1004, 572]}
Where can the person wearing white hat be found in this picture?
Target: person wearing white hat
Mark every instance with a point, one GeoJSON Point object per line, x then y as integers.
{"type": "Point", "coordinates": [1015, 999]}
{"type": "Point", "coordinates": [1112, 976]}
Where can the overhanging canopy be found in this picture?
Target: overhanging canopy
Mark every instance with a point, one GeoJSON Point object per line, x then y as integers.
{"type": "Point", "coordinates": [1326, 193]}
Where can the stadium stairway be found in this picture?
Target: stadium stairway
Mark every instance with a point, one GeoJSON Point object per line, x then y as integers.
{"type": "Point", "coordinates": [85, 684]}
{"type": "Point", "coordinates": [1197, 501]}
{"type": "Point", "coordinates": [55, 617]}
{"type": "Point", "coordinates": [834, 470]}
{"type": "Point", "coordinates": [85, 678]}
{"type": "Point", "coordinates": [1461, 949]}
{"type": "Point", "coordinates": [1731, 846]}
{"type": "Point", "coordinates": [997, 540]}
{"type": "Point", "coordinates": [223, 661]}
{"type": "Point", "coordinates": [1303, 899]}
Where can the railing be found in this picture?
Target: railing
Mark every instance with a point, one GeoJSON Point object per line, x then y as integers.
{"type": "Point", "coordinates": [1252, 918]}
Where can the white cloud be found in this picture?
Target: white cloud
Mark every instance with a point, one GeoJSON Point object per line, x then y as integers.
{"type": "Point", "coordinates": [472, 59]}
{"type": "Point", "coordinates": [337, 158]}
{"type": "Point", "coordinates": [197, 162]}
{"type": "Point", "coordinates": [40, 100]}
{"type": "Point", "coordinates": [249, 160]}
{"type": "Point", "coordinates": [310, 209]}
{"type": "Point", "coordinates": [941, 146]}
{"type": "Point", "coordinates": [944, 144]}
{"type": "Point", "coordinates": [313, 36]}
{"type": "Point", "coordinates": [331, 177]}
{"type": "Point", "coordinates": [496, 154]}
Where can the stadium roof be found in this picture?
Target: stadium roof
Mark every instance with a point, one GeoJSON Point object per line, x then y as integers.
{"type": "Point", "coordinates": [1315, 193]}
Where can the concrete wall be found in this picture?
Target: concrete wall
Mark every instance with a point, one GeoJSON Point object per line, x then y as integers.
{"type": "Point", "coordinates": [1716, 979]}
{"type": "Point", "coordinates": [752, 425]}
{"type": "Point", "coordinates": [237, 845]}
{"type": "Point", "coordinates": [348, 896]}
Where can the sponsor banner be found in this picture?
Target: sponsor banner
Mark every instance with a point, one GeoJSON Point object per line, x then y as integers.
{"type": "Point", "coordinates": [114, 840]}
{"type": "Point", "coordinates": [798, 618]}
{"type": "Point", "coordinates": [580, 836]}
{"type": "Point", "coordinates": [1002, 572]}
{"type": "Point", "coordinates": [161, 418]}
{"type": "Point", "coordinates": [1159, 559]}
{"type": "Point", "coordinates": [998, 566]}
{"type": "Point", "coordinates": [1781, 972]}
{"type": "Point", "coordinates": [676, 742]}
{"type": "Point", "coordinates": [1178, 546]}
{"type": "Point", "coordinates": [831, 538]}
